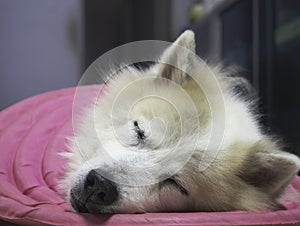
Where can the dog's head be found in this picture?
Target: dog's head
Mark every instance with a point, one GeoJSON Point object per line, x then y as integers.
{"type": "Point", "coordinates": [142, 146]}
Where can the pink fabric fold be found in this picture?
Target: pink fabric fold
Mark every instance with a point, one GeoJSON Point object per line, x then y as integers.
{"type": "Point", "coordinates": [34, 131]}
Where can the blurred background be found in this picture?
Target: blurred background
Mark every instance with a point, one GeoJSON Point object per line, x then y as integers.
{"type": "Point", "coordinates": [47, 45]}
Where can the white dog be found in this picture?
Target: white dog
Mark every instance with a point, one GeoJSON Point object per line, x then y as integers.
{"type": "Point", "coordinates": [174, 137]}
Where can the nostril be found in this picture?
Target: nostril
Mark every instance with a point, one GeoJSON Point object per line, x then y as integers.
{"type": "Point", "coordinates": [107, 197]}
{"type": "Point", "coordinates": [90, 180]}
{"type": "Point", "coordinates": [98, 189]}
{"type": "Point", "coordinates": [101, 196]}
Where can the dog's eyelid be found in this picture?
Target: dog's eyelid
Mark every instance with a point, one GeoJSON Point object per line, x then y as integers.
{"type": "Point", "coordinates": [135, 123]}
{"type": "Point", "coordinates": [140, 134]}
{"type": "Point", "coordinates": [176, 183]}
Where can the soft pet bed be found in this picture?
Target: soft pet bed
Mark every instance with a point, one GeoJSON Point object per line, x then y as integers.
{"type": "Point", "coordinates": [33, 131]}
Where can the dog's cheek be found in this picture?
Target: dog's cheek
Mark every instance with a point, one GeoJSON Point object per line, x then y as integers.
{"type": "Point", "coordinates": [173, 200]}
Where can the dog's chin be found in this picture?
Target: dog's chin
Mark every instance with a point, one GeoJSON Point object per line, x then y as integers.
{"type": "Point", "coordinates": [79, 207]}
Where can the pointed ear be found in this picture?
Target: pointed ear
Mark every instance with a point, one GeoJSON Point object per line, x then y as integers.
{"type": "Point", "coordinates": [271, 172]}
{"type": "Point", "coordinates": [176, 59]}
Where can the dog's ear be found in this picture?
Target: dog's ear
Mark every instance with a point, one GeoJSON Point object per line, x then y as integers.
{"type": "Point", "coordinates": [177, 58]}
{"type": "Point", "coordinates": [270, 172]}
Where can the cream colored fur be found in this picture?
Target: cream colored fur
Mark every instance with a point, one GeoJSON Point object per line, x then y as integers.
{"type": "Point", "coordinates": [249, 171]}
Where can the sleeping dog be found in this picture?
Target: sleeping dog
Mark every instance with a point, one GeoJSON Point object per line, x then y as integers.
{"type": "Point", "coordinates": [174, 137]}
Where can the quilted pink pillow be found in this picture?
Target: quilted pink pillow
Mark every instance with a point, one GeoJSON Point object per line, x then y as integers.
{"type": "Point", "coordinates": [33, 131]}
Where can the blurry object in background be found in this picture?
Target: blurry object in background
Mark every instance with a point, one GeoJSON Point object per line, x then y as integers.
{"type": "Point", "coordinates": [40, 46]}
{"type": "Point", "coordinates": [284, 88]}
{"type": "Point", "coordinates": [237, 36]}
{"type": "Point", "coordinates": [264, 38]}
{"type": "Point", "coordinates": [179, 16]}
{"type": "Point", "coordinates": [196, 12]}
{"type": "Point", "coordinates": [109, 24]}
{"type": "Point", "coordinates": [288, 31]}
{"type": "Point", "coordinates": [47, 45]}
{"type": "Point", "coordinates": [103, 23]}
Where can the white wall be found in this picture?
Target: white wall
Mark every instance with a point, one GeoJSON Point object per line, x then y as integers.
{"type": "Point", "coordinates": [40, 47]}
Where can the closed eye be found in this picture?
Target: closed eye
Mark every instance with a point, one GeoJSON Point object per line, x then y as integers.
{"type": "Point", "coordinates": [174, 183]}
{"type": "Point", "coordinates": [140, 134]}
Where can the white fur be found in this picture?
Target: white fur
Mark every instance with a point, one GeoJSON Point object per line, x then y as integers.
{"type": "Point", "coordinates": [177, 119]}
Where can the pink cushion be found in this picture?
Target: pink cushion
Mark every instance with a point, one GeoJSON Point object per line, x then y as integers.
{"type": "Point", "coordinates": [33, 131]}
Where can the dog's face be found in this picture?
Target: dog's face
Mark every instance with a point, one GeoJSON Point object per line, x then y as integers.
{"type": "Point", "coordinates": [141, 146]}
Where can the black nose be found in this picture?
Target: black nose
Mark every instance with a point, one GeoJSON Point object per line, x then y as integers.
{"type": "Point", "coordinates": [99, 189]}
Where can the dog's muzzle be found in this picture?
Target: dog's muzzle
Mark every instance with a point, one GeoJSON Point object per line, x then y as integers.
{"type": "Point", "coordinates": [97, 192]}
